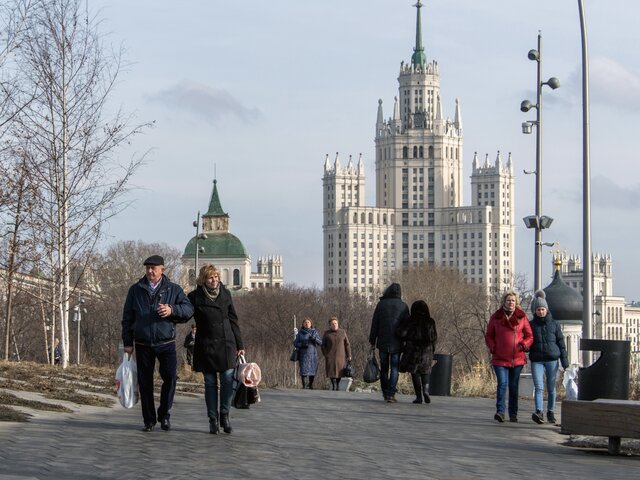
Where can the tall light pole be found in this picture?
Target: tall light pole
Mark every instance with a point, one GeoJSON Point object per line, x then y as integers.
{"type": "Point", "coordinates": [587, 289]}
{"type": "Point", "coordinates": [77, 317]}
{"type": "Point", "coordinates": [199, 250]}
{"type": "Point", "coordinates": [538, 222]}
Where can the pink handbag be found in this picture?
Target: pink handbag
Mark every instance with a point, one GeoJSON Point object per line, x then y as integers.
{"type": "Point", "coordinates": [248, 374]}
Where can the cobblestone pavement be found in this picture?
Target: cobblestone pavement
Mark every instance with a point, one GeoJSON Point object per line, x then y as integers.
{"type": "Point", "coordinates": [310, 434]}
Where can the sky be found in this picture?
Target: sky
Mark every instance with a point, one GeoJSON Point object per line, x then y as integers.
{"type": "Point", "coordinates": [262, 91]}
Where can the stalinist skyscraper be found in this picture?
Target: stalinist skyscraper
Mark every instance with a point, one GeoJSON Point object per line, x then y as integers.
{"type": "Point", "coordinates": [419, 215]}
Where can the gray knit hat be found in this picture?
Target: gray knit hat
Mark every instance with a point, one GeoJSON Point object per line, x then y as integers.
{"type": "Point", "coordinates": [539, 301]}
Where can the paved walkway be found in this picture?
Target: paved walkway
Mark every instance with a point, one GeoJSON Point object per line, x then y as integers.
{"type": "Point", "coordinates": [294, 434]}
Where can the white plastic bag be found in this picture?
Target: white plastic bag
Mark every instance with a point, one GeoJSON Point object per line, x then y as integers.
{"type": "Point", "coordinates": [127, 382]}
{"type": "Point", "coordinates": [569, 382]}
{"type": "Point", "coordinates": [248, 373]}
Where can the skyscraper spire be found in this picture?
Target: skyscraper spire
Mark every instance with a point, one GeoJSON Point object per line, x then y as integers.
{"type": "Point", "coordinates": [418, 58]}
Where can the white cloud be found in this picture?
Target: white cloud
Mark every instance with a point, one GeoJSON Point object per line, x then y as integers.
{"type": "Point", "coordinates": [210, 104]}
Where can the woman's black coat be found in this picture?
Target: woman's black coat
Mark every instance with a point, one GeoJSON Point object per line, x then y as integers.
{"type": "Point", "coordinates": [420, 336]}
{"type": "Point", "coordinates": [218, 339]}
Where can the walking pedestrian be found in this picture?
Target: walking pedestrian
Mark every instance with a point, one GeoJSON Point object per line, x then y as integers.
{"type": "Point", "coordinates": [389, 313]}
{"type": "Point", "coordinates": [419, 335]}
{"type": "Point", "coordinates": [218, 344]}
{"type": "Point", "coordinates": [306, 341]}
{"type": "Point", "coordinates": [547, 348]}
{"type": "Point", "coordinates": [337, 352]}
{"type": "Point", "coordinates": [153, 306]}
{"type": "Point", "coordinates": [508, 336]}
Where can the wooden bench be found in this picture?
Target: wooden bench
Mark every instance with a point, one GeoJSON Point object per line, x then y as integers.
{"type": "Point", "coordinates": [615, 419]}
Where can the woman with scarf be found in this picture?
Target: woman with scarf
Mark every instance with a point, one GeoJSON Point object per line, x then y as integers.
{"type": "Point", "coordinates": [306, 340]}
{"type": "Point", "coordinates": [508, 337]}
{"type": "Point", "coordinates": [218, 344]}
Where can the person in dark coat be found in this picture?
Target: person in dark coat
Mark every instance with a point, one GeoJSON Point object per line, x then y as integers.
{"type": "Point", "coordinates": [389, 313]}
{"type": "Point", "coordinates": [189, 343]}
{"type": "Point", "coordinates": [153, 306]}
{"type": "Point", "coordinates": [547, 348]}
{"type": "Point", "coordinates": [217, 346]}
{"type": "Point", "coordinates": [306, 341]}
{"type": "Point", "coordinates": [337, 352]}
{"type": "Point", "coordinates": [419, 335]}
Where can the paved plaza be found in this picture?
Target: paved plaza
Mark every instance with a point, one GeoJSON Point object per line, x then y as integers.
{"type": "Point", "coordinates": [310, 434]}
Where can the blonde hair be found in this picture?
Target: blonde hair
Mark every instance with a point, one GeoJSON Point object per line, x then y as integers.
{"type": "Point", "coordinates": [510, 293]}
{"type": "Point", "coordinates": [205, 272]}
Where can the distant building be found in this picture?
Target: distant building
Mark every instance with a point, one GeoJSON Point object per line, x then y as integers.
{"type": "Point", "coordinates": [218, 246]}
{"type": "Point", "coordinates": [613, 317]}
{"type": "Point", "coordinates": [418, 217]}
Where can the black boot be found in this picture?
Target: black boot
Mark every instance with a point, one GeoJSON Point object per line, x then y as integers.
{"type": "Point", "coordinates": [417, 387]}
{"type": "Point", "coordinates": [424, 378]}
{"type": "Point", "coordinates": [333, 384]}
{"type": "Point", "coordinates": [224, 423]}
{"type": "Point", "coordinates": [304, 382]}
{"type": "Point", "coordinates": [337, 384]}
{"type": "Point", "coordinates": [213, 425]}
{"type": "Point", "coordinates": [311, 379]}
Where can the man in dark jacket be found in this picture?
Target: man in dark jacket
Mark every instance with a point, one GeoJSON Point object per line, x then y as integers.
{"type": "Point", "coordinates": [389, 312]}
{"type": "Point", "coordinates": [152, 308]}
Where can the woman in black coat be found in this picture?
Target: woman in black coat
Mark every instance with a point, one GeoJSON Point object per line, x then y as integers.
{"type": "Point", "coordinates": [419, 336]}
{"type": "Point", "coordinates": [217, 346]}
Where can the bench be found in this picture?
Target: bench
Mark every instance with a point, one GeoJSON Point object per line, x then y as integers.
{"type": "Point", "coordinates": [615, 419]}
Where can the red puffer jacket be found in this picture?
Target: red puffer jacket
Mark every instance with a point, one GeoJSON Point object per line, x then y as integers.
{"type": "Point", "coordinates": [508, 339]}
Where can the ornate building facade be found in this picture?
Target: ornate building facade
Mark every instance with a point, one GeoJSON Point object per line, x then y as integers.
{"type": "Point", "coordinates": [217, 245]}
{"type": "Point", "coordinates": [419, 217]}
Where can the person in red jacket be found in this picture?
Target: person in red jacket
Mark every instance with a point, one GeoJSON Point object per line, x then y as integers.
{"type": "Point", "coordinates": [508, 337]}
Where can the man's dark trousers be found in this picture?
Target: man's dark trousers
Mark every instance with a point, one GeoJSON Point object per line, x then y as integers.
{"type": "Point", "coordinates": [146, 359]}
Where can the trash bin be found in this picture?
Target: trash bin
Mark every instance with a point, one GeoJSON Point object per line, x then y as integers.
{"type": "Point", "coordinates": [440, 381]}
{"type": "Point", "coordinates": [608, 376]}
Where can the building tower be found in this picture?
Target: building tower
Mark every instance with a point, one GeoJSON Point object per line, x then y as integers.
{"type": "Point", "coordinates": [419, 217]}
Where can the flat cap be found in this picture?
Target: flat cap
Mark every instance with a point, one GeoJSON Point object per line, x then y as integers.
{"type": "Point", "coordinates": [154, 260]}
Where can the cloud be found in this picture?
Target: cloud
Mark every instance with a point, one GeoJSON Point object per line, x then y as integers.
{"type": "Point", "coordinates": [210, 104]}
{"type": "Point", "coordinates": [611, 83]}
{"type": "Point", "coordinates": [606, 194]}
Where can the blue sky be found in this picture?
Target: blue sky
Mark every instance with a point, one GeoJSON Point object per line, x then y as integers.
{"type": "Point", "coordinates": [264, 90]}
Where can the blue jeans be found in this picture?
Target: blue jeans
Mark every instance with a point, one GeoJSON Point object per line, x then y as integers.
{"type": "Point", "coordinates": [507, 376]}
{"type": "Point", "coordinates": [550, 369]}
{"type": "Point", "coordinates": [389, 379]}
{"type": "Point", "coordinates": [146, 360]}
{"type": "Point", "coordinates": [211, 392]}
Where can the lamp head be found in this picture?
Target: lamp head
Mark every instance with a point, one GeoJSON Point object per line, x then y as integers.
{"type": "Point", "coordinates": [195, 224]}
{"type": "Point", "coordinates": [533, 55]}
{"type": "Point", "coordinates": [526, 105]}
{"type": "Point", "coordinates": [554, 83]}
{"type": "Point", "coordinates": [527, 128]}
{"type": "Point", "coordinates": [545, 222]}
{"type": "Point", "coordinates": [531, 221]}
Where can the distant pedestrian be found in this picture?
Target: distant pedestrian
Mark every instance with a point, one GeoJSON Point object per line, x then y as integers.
{"type": "Point", "coordinates": [337, 352]}
{"type": "Point", "coordinates": [389, 313]}
{"type": "Point", "coordinates": [153, 306]}
{"type": "Point", "coordinates": [189, 342]}
{"type": "Point", "coordinates": [218, 345]}
{"type": "Point", "coordinates": [57, 353]}
{"type": "Point", "coordinates": [419, 335]}
{"type": "Point", "coordinates": [508, 336]}
{"type": "Point", "coordinates": [306, 341]}
{"type": "Point", "coordinates": [547, 348]}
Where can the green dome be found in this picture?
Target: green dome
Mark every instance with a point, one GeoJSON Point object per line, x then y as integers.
{"type": "Point", "coordinates": [217, 245]}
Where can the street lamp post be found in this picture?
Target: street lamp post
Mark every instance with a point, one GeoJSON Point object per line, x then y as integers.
{"type": "Point", "coordinates": [538, 222]}
{"type": "Point", "coordinates": [199, 249]}
{"type": "Point", "coordinates": [587, 291]}
{"type": "Point", "coordinates": [77, 317]}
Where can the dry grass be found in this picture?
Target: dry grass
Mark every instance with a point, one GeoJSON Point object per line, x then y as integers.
{"type": "Point", "coordinates": [481, 382]}
{"type": "Point", "coordinates": [7, 398]}
{"type": "Point", "coordinates": [78, 384]}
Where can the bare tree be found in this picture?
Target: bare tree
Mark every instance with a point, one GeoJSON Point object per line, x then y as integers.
{"type": "Point", "coordinates": [72, 143]}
